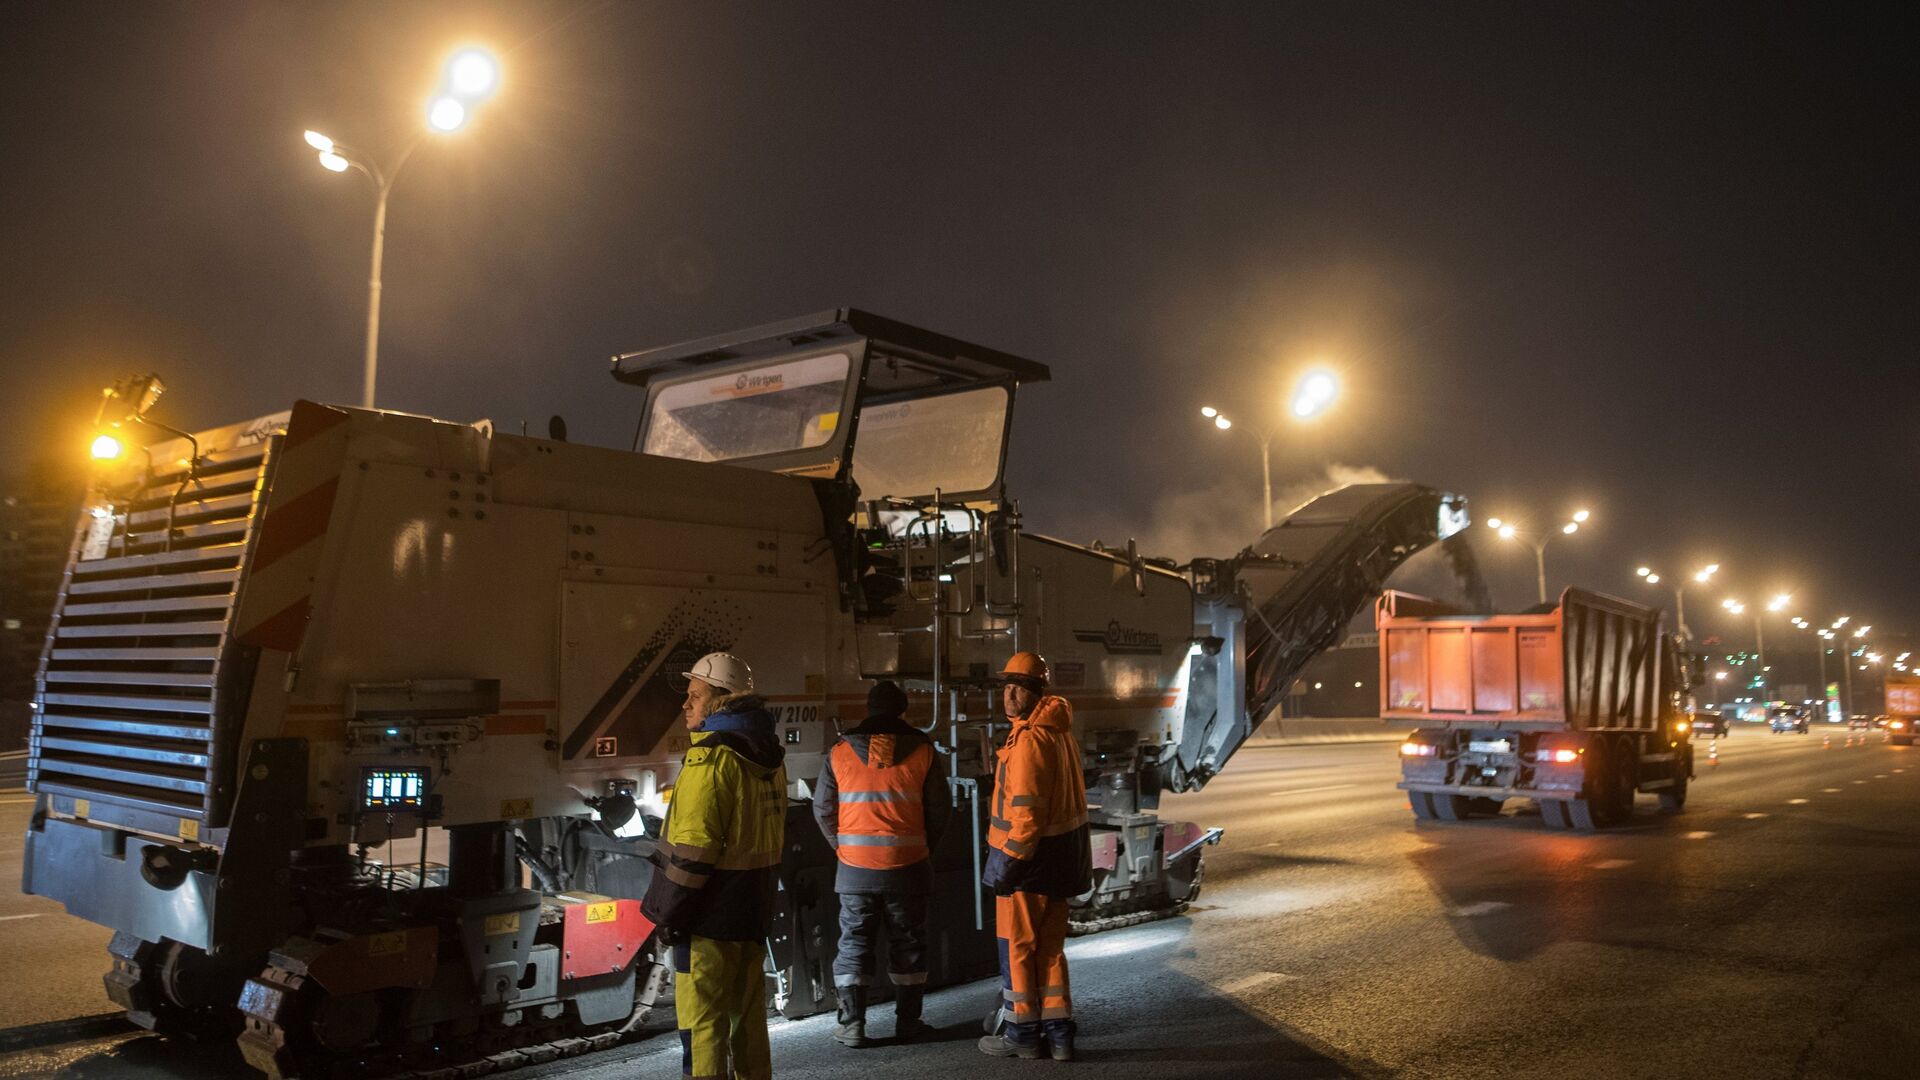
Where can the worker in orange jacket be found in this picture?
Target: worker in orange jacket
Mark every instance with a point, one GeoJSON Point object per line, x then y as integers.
{"type": "Point", "coordinates": [1041, 857]}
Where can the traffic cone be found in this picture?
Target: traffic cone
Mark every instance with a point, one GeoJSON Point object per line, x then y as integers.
{"type": "Point", "coordinates": [1713, 753]}
{"type": "Point", "coordinates": [1826, 742]}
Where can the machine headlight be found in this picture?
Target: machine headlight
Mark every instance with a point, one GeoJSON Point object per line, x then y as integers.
{"type": "Point", "coordinates": [1418, 749]}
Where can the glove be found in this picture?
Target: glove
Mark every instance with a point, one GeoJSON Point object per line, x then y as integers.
{"type": "Point", "coordinates": [1002, 873]}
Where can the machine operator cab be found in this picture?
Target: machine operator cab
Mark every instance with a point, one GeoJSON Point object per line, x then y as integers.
{"type": "Point", "coordinates": [906, 428]}
{"type": "Point", "coordinates": [900, 412]}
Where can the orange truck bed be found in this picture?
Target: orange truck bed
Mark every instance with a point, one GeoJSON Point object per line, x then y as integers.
{"type": "Point", "coordinates": [1590, 664]}
{"type": "Point", "coordinates": [1903, 697]}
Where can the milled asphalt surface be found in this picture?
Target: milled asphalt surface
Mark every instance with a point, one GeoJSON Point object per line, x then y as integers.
{"type": "Point", "coordinates": [1771, 930]}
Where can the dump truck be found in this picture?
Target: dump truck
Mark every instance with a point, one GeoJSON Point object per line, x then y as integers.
{"type": "Point", "coordinates": [1578, 708]}
{"type": "Point", "coordinates": [1903, 709]}
{"type": "Point", "coordinates": [358, 727]}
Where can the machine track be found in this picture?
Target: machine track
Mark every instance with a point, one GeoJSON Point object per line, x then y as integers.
{"type": "Point", "coordinates": [1144, 911]}
{"type": "Point", "coordinates": [282, 1008]}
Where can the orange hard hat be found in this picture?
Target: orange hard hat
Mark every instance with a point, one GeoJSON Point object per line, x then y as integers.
{"type": "Point", "coordinates": [1026, 665]}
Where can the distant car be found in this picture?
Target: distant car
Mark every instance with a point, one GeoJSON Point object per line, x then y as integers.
{"type": "Point", "coordinates": [1900, 730]}
{"type": "Point", "coordinates": [1709, 723]}
{"type": "Point", "coordinates": [1784, 721]}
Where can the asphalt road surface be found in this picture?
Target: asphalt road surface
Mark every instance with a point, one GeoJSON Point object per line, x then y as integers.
{"type": "Point", "coordinates": [1771, 930]}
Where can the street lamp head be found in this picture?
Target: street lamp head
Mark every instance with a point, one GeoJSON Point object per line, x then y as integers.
{"type": "Point", "coordinates": [1315, 393]}
{"type": "Point", "coordinates": [1222, 423]}
{"type": "Point", "coordinates": [1653, 579]}
{"type": "Point", "coordinates": [1581, 516]}
{"type": "Point", "coordinates": [318, 141]}
{"type": "Point", "coordinates": [1711, 569]}
{"type": "Point", "coordinates": [1209, 411]}
{"type": "Point", "coordinates": [1493, 523]}
{"type": "Point", "coordinates": [1508, 532]}
{"type": "Point", "coordinates": [472, 74]}
{"type": "Point", "coordinates": [1570, 528]}
{"type": "Point", "coordinates": [446, 114]}
{"type": "Point", "coordinates": [1779, 603]}
{"type": "Point", "coordinates": [333, 162]}
{"type": "Point", "coordinates": [1644, 571]}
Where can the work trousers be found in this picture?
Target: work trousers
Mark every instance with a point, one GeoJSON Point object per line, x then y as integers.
{"type": "Point", "coordinates": [864, 918]}
{"type": "Point", "coordinates": [1034, 990]}
{"type": "Point", "coordinates": [720, 996]}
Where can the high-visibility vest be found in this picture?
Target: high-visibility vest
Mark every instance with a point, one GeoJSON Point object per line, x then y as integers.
{"type": "Point", "coordinates": [882, 821]}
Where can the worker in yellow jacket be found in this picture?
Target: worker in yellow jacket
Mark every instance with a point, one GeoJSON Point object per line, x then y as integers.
{"type": "Point", "coordinates": [713, 883]}
{"type": "Point", "coordinates": [1041, 857]}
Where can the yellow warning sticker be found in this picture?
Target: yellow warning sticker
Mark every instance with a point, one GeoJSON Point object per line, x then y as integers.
{"type": "Point", "coordinates": [503, 924]}
{"type": "Point", "coordinates": [389, 944]}
{"type": "Point", "coordinates": [82, 807]}
{"type": "Point", "coordinates": [607, 912]}
{"type": "Point", "coordinates": [189, 829]}
{"type": "Point", "coordinates": [515, 809]}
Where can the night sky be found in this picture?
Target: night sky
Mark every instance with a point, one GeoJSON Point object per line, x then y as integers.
{"type": "Point", "coordinates": [1654, 261]}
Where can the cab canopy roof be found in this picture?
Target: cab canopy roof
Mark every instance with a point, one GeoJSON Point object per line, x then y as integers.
{"type": "Point", "coordinates": [901, 359]}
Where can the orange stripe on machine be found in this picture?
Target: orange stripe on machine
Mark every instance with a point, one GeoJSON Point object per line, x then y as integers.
{"type": "Point", "coordinates": [276, 595]}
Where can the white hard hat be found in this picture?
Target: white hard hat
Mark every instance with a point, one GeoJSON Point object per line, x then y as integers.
{"type": "Point", "coordinates": [723, 671]}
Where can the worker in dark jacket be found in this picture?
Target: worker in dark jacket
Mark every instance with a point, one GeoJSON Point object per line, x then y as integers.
{"type": "Point", "coordinates": [712, 890]}
{"type": "Point", "coordinates": [882, 803]}
{"type": "Point", "coordinates": [1040, 857]}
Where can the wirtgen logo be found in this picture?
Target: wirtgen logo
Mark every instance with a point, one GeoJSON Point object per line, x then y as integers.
{"type": "Point", "coordinates": [748, 383]}
{"type": "Point", "coordinates": [1123, 640]}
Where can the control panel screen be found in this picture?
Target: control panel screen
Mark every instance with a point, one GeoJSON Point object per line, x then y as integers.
{"type": "Point", "coordinates": [394, 789]}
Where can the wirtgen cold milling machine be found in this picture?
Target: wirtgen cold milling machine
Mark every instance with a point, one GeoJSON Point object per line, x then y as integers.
{"type": "Point", "coordinates": [286, 652]}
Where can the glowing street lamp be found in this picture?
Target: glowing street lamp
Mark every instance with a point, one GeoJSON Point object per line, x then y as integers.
{"type": "Point", "coordinates": [1314, 395]}
{"type": "Point", "coordinates": [1507, 530]}
{"type": "Point", "coordinates": [470, 77]}
{"type": "Point", "coordinates": [1702, 575]}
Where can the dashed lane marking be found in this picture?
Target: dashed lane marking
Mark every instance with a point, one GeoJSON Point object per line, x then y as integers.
{"type": "Point", "coordinates": [1484, 907]}
{"type": "Point", "coordinates": [1879, 776]}
{"type": "Point", "coordinates": [1859, 781]}
{"type": "Point", "coordinates": [1311, 790]}
{"type": "Point", "coordinates": [1698, 834]}
{"type": "Point", "coordinates": [1830, 790]}
{"type": "Point", "coordinates": [1612, 864]}
{"type": "Point", "coordinates": [11, 918]}
{"type": "Point", "coordinates": [1255, 981]}
{"type": "Point", "coordinates": [1755, 816]}
{"type": "Point", "coordinates": [1798, 802]}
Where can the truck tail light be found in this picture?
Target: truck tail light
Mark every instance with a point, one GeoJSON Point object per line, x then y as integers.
{"type": "Point", "coordinates": [1896, 724]}
{"type": "Point", "coordinates": [1418, 749]}
{"type": "Point", "coordinates": [1561, 756]}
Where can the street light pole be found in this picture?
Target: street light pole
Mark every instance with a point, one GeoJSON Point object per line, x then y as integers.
{"type": "Point", "coordinates": [1760, 646]}
{"type": "Point", "coordinates": [384, 184]}
{"type": "Point", "coordinates": [1509, 531]}
{"type": "Point", "coordinates": [1311, 397]}
{"type": "Point", "coordinates": [470, 77]}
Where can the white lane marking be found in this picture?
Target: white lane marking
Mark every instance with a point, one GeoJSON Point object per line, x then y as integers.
{"type": "Point", "coordinates": [1484, 907]}
{"type": "Point", "coordinates": [1612, 864]}
{"type": "Point", "coordinates": [1830, 790]}
{"type": "Point", "coordinates": [1879, 776]}
{"type": "Point", "coordinates": [1255, 981]}
{"type": "Point", "coordinates": [1856, 781]}
{"type": "Point", "coordinates": [1899, 770]}
{"type": "Point", "coordinates": [1698, 834]}
{"type": "Point", "coordinates": [1756, 816]}
{"type": "Point", "coordinates": [1311, 790]}
{"type": "Point", "coordinates": [1798, 802]}
{"type": "Point", "coordinates": [11, 918]}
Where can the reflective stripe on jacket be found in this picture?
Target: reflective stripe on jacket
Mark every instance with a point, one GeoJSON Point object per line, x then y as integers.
{"type": "Point", "coordinates": [725, 830]}
{"type": "Point", "coordinates": [883, 824]}
{"type": "Point", "coordinates": [1040, 803]}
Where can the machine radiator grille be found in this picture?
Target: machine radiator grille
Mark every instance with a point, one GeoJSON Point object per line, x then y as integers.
{"type": "Point", "coordinates": [138, 666]}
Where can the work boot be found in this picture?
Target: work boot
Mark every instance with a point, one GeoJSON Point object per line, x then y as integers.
{"type": "Point", "coordinates": [1014, 1040]}
{"type": "Point", "coordinates": [852, 1031]}
{"type": "Point", "coordinates": [907, 1025]}
{"type": "Point", "coordinates": [1060, 1042]}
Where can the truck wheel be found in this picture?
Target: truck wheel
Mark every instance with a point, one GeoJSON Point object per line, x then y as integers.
{"type": "Point", "coordinates": [1673, 799]}
{"type": "Point", "coordinates": [1554, 813]}
{"type": "Point", "coordinates": [1422, 804]}
{"type": "Point", "coordinates": [1451, 807]}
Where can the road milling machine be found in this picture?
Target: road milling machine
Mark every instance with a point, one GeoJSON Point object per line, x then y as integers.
{"type": "Point", "coordinates": [357, 727]}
